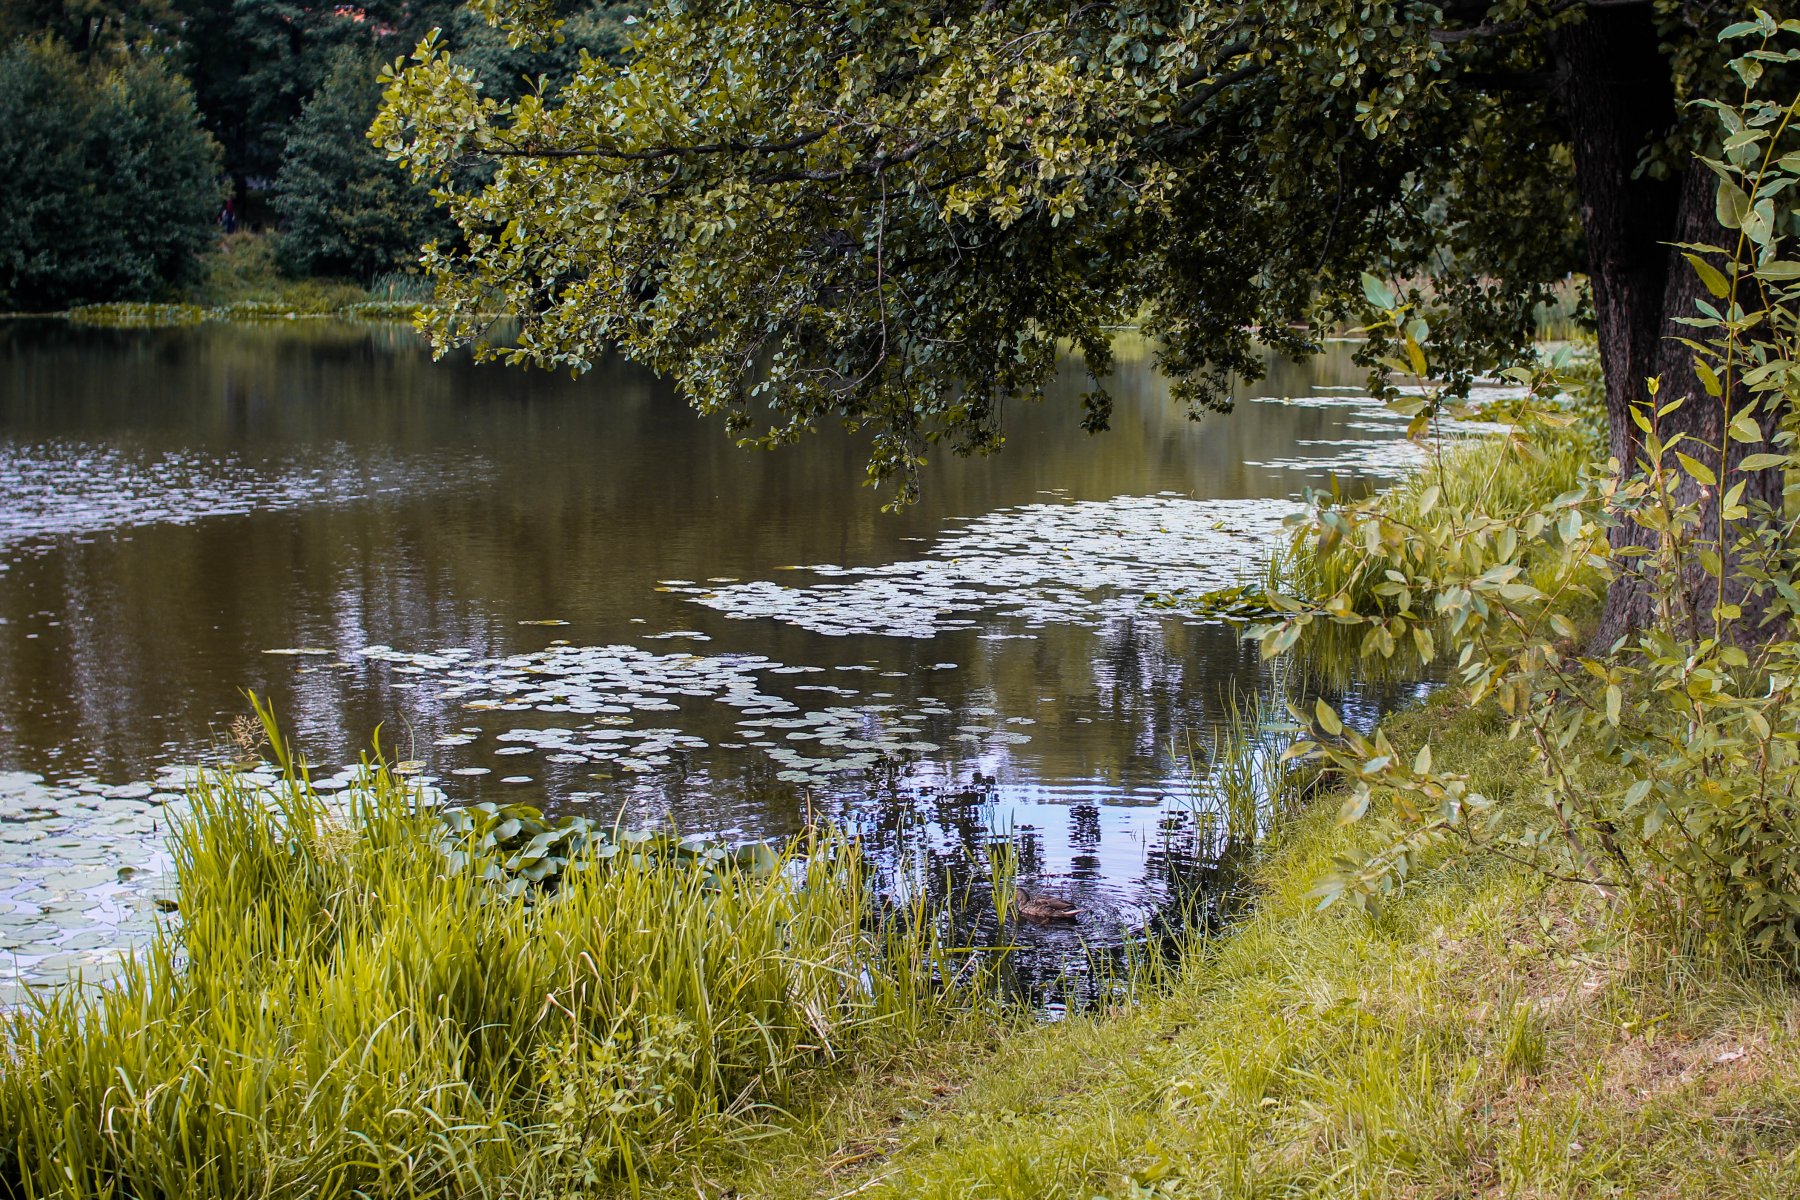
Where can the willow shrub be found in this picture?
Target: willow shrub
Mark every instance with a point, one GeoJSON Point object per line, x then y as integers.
{"type": "Point", "coordinates": [343, 1009]}
{"type": "Point", "coordinates": [1489, 476]}
{"type": "Point", "coordinates": [1670, 762]}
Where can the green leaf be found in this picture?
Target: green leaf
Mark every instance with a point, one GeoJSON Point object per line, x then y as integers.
{"type": "Point", "coordinates": [1762, 462]}
{"type": "Point", "coordinates": [1697, 469]}
{"type": "Point", "coordinates": [1415, 356]}
{"type": "Point", "coordinates": [758, 859]}
{"type": "Point", "coordinates": [1708, 379]}
{"type": "Point", "coordinates": [1328, 719]}
{"type": "Point", "coordinates": [1377, 292]}
{"type": "Point", "coordinates": [1715, 281]}
{"type": "Point", "coordinates": [1733, 205]}
{"type": "Point", "coordinates": [1615, 702]}
{"type": "Point", "coordinates": [1779, 271]}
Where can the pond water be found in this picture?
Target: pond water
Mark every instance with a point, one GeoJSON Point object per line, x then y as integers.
{"type": "Point", "coordinates": [577, 594]}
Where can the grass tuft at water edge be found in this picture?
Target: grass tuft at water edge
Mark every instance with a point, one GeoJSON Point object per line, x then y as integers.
{"type": "Point", "coordinates": [339, 1010]}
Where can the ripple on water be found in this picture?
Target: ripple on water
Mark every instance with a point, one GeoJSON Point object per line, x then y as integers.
{"type": "Point", "coordinates": [58, 488]}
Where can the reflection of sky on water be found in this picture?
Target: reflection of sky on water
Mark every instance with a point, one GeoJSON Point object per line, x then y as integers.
{"type": "Point", "coordinates": [595, 604]}
{"type": "Point", "coordinates": [65, 488]}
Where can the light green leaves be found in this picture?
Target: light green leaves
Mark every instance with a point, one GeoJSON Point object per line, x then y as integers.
{"type": "Point", "coordinates": [1328, 719]}
{"type": "Point", "coordinates": [1715, 281]}
{"type": "Point", "coordinates": [1379, 295]}
{"type": "Point", "coordinates": [1697, 469]}
{"type": "Point", "coordinates": [1732, 207]}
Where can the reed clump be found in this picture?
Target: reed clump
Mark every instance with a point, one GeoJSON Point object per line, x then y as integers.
{"type": "Point", "coordinates": [341, 1009]}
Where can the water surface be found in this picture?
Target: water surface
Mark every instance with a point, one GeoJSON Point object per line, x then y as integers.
{"type": "Point", "coordinates": [577, 594]}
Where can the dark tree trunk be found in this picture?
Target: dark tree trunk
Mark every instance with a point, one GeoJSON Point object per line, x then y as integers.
{"type": "Point", "coordinates": [1616, 96]}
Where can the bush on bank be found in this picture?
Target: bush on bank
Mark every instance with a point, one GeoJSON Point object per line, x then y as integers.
{"type": "Point", "coordinates": [113, 186]}
{"type": "Point", "coordinates": [1695, 700]}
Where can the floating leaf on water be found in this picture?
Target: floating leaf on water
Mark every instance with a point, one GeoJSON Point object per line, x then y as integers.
{"type": "Point", "coordinates": [757, 858]}
{"type": "Point", "coordinates": [296, 651]}
{"type": "Point", "coordinates": [548, 621]}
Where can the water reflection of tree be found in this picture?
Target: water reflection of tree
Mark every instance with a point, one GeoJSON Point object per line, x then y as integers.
{"type": "Point", "coordinates": [497, 497]}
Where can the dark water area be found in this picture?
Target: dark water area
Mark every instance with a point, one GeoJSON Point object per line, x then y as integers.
{"type": "Point", "coordinates": [575, 593]}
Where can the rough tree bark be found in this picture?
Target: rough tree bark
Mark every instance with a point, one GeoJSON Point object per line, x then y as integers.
{"type": "Point", "coordinates": [1617, 99]}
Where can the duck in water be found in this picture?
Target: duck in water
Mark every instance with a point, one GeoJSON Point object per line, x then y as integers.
{"type": "Point", "coordinates": [1042, 909]}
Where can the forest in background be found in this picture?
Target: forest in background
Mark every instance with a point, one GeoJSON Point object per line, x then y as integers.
{"type": "Point", "coordinates": [135, 133]}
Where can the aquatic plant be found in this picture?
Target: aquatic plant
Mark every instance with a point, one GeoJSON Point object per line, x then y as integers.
{"type": "Point", "coordinates": [1240, 783]}
{"type": "Point", "coordinates": [342, 1009]}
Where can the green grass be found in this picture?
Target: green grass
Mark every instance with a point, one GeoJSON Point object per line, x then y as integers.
{"type": "Point", "coordinates": [1486, 1035]}
{"type": "Point", "coordinates": [241, 282]}
{"type": "Point", "coordinates": [337, 1013]}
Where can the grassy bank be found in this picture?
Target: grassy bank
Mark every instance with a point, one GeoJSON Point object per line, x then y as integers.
{"type": "Point", "coordinates": [359, 1002]}
{"type": "Point", "coordinates": [241, 281]}
{"type": "Point", "coordinates": [1484, 1032]}
{"type": "Point", "coordinates": [1486, 1035]}
{"type": "Point", "coordinates": [343, 1016]}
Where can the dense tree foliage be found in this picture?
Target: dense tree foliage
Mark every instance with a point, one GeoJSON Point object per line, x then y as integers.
{"type": "Point", "coordinates": [93, 29]}
{"type": "Point", "coordinates": [287, 90]}
{"type": "Point", "coordinates": [345, 210]}
{"type": "Point", "coordinates": [255, 63]}
{"type": "Point", "coordinates": [111, 183]}
{"type": "Point", "coordinates": [895, 214]}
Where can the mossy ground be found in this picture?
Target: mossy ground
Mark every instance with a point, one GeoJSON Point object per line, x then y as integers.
{"type": "Point", "coordinates": [1488, 1034]}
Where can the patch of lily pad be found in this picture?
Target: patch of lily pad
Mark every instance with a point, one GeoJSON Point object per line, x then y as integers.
{"type": "Point", "coordinates": [1054, 563]}
{"type": "Point", "coordinates": [599, 692]}
{"type": "Point", "coordinates": [63, 487]}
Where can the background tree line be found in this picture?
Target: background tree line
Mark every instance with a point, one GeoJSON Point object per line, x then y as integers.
{"type": "Point", "coordinates": [132, 131]}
